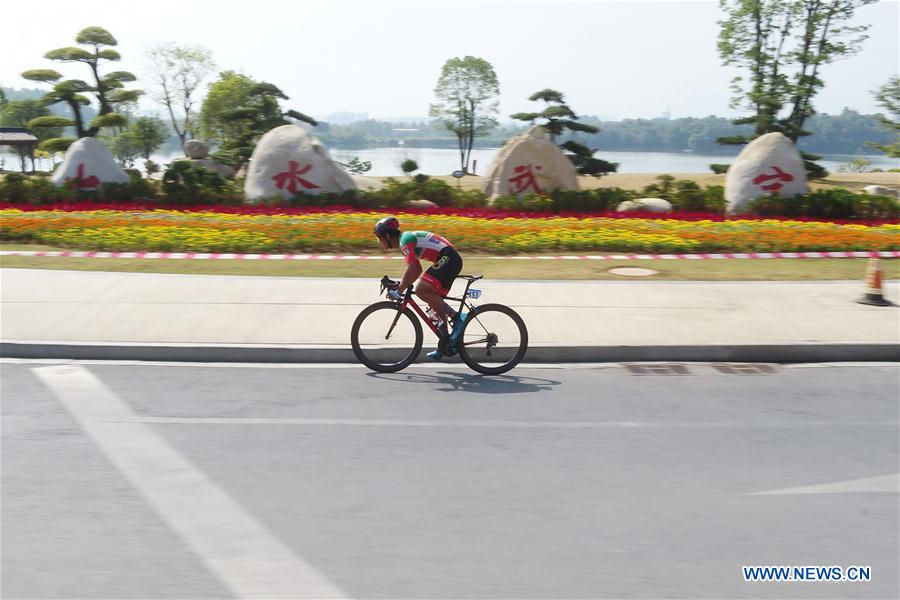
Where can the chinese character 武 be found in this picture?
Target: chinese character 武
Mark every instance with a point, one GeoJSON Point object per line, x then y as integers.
{"type": "Point", "coordinates": [525, 179]}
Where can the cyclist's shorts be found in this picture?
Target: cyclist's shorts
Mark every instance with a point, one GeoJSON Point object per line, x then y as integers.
{"type": "Point", "coordinates": [444, 270]}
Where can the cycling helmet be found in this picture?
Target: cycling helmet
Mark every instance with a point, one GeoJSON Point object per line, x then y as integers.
{"type": "Point", "coordinates": [387, 226]}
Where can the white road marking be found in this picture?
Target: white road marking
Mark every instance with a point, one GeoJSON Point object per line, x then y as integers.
{"type": "Point", "coordinates": [510, 424]}
{"type": "Point", "coordinates": [237, 548]}
{"type": "Point", "coordinates": [882, 483]}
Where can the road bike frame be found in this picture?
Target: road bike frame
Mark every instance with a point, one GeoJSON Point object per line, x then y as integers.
{"type": "Point", "coordinates": [407, 300]}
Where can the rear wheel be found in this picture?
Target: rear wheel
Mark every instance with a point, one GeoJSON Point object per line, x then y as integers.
{"type": "Point", "coordinates": [493, 340]}
{"type": "Point", "coordinates": [386, 339]}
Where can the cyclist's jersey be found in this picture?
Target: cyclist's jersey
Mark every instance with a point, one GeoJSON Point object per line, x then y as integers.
{"type": "Point", "coordinates": [422, 245]}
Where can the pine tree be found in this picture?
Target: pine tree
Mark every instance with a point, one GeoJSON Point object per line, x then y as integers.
{"type": "Point", "coordinates": [558, 118]}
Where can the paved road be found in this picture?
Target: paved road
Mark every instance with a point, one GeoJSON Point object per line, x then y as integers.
{"type": "Point", "coordinates": [195, 481]}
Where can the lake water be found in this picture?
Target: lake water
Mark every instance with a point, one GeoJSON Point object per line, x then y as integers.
{"type": "Point", "coordinates": [443, 161]}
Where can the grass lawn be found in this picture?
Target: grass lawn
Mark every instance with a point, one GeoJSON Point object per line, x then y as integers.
{"type": "Point", "coordinates": [493, 268]}
{"type": "Point", "coordinates": [637, 181]}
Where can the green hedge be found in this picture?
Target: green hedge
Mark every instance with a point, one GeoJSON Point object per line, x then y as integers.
{"type": "Point", "coordinates": [187, 184]}
{"type": "Point", "coordinates": [687, 196]}
{"type": "Point", "coordinates": [837, 203]}
{"type": "Point", "coordinates": [596, 200]}
{"type": "Point", "coordinates": [38, 189]}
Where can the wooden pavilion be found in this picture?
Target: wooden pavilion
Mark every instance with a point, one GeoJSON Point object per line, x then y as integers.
{"type": "Point", "coordinates": [22, 140]}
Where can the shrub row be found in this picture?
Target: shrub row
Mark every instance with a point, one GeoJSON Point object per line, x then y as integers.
{"type": "Point", "coordinates": [185, 184]}
{"type": "Point", "coordinates": [830, 204]}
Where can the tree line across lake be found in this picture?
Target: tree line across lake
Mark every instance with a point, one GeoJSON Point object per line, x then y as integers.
{"type": "Point", "coordinates": [846, 133]}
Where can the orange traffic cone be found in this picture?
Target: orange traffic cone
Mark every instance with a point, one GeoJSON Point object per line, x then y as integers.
{"type": "Point", "coordinates": [873, 296]}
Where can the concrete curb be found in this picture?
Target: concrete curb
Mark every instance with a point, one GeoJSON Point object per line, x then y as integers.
{"type": "Point", "coordinates": [750, 353]}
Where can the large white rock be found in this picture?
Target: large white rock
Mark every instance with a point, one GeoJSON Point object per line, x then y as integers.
{"type": "Point", "coordinates": [89, 161]}
{"type": "Point", "coordinates": [288, 160]}
{"type": "Point", "coordinates": [654, 205]}
{"type": "Point", "coordinates": [881, 190]}
{"type": "Point", "coordinates": [529, 163]}
{"type": "Point", "coordinates": [769, 165]}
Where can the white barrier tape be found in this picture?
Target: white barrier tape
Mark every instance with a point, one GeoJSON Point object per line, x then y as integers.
{"type": "Point", "coordinates": [214, 256]}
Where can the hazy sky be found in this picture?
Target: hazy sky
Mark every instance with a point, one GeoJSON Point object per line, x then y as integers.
{"type": "Point", "coordinates": [616, 59]}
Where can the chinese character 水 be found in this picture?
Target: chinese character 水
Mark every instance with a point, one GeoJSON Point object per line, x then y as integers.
{"type": "Point", "coordinates": [291, 178]}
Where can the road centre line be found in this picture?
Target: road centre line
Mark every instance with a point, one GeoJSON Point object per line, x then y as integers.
{"type": "Point", "coordinates": [510, 424]}
{"type": "Point", "coordinates": [235, 546]}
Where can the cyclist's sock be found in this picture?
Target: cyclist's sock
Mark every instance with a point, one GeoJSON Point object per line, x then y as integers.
{"type": "Point", "coordinates": [451, 314]}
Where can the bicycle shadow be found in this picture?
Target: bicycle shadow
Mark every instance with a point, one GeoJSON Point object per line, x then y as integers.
{"type": "Point", "coordinates": [473, 382]}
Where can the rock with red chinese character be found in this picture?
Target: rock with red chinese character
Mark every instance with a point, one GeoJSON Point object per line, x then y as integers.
{"type": "Point", "coordinates": [289, 160]}
{"type": "Point", "coordinates": [770, 165]}
{"type": "Point", "coordinates": [653, 205]}
{"type": "Point", "coordinates": [530, 163]}
{"type": "Point", "coordinates": [87, 165]}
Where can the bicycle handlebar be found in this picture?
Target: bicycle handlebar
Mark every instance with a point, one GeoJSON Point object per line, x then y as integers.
{"type": "Point", "coordinates": [393, 286]}
{"type": "Point", "coordinates": [388, 284]}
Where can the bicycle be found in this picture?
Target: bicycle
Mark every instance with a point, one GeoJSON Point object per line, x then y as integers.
{"type": "Point", "coordinates": [387, 336]}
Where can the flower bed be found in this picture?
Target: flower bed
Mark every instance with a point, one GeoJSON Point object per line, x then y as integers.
{"type": "Point", "coordinates": [338, 229]}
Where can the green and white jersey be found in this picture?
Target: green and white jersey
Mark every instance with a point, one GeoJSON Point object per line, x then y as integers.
{"type": "Point", "coordinates": [422, 245]}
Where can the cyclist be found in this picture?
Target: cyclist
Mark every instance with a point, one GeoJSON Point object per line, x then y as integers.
{"type": "Point", "coordinates": [435, 284]}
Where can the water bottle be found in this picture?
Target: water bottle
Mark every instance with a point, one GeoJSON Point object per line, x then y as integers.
{"type": "Point", "coordinates": [435, 318]}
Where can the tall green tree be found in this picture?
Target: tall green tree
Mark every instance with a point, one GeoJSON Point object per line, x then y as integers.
{"type": "Point", "coordinates": [238, 111]}
{"type": "Point", "coordinates": [558, 118]}
{"type": "Point", "coordinates": [107, 90]}
{"type": "Point", "coordinates": [141, 138]}
{"type": "Point", "coordinates": [467, 92]}
{"type": "Point", "coordinates": [782, 46]}
{"type": "Point", "coordinates": [178, 73]}
{"type": "Point", "coordinates": [888, 98]}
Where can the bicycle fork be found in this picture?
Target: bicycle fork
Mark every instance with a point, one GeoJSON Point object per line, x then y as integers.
{"type": "Point", "coordinates": [390, 330]}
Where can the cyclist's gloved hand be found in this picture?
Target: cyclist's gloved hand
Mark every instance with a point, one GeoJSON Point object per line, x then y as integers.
{"type": "Point", "coordinates": [389, 284]}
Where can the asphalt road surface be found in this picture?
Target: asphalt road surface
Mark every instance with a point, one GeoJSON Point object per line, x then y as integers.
{"type": "Point", "coordinates": [639, 481]}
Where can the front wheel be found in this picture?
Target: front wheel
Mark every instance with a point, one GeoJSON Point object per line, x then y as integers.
{"type": "Point", "coordinates": [386, 339]}
{"type": "Point", "coordinates": [493, 340]}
